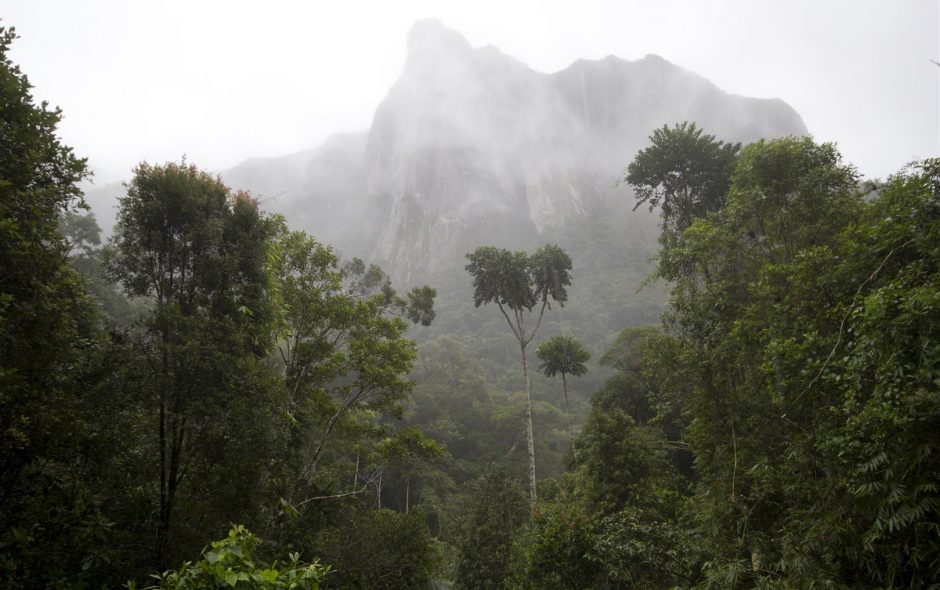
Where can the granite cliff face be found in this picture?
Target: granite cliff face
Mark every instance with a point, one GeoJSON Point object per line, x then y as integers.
{"type": "Point", "coordinates": [474, 147]}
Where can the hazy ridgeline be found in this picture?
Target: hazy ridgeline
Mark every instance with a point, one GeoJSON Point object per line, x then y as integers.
{"type": "Point", "coordinates": [760, 408]}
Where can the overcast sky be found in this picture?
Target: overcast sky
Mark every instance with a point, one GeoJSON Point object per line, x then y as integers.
{"type": "Point", "coordinates": [224, 81]}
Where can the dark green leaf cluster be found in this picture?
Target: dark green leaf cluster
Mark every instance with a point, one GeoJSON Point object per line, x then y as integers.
{"type": "Point", "coordinates": [799, 325]}
{"type": "Point", "coordinates": [685, 172]}
{"type": "Point", "coordinates": [517, 280]}
{"type": "Point", "coordinates": [562, 354]}
{"type": "Point", "coordinates": [495, 509]}
{"type": "Point", "coordinates": [557, 551]}
{"type": "Point", "coordinates": [126, 444]}
{"type": "Point", "coordinates": [381, 550]}
{"type": "Point", "coordinates": [51, 526]}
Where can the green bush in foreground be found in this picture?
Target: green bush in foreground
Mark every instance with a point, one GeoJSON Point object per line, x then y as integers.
{"type": "Point", "coordinates": [229, 564]}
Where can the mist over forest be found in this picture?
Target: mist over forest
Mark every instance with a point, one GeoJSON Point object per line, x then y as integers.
{"type": "Point", "coordinates": [604, 327]}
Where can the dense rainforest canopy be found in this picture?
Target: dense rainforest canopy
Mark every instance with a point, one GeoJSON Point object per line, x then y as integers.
{"type": "Point", "coordinates": [221, 401]}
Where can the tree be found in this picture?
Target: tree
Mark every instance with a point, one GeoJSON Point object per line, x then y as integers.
{"type": "Point", "coordinates": [379, 550]}
{"type": "Point", "coordinates": [753, 311]}
{"type": "Point", "coordinates": [345, 361]}
{"type": "Point", "coordinates": [801, 326]}
{"type": "Point", "coordinates": [557, 550]}
{"type": "Point", "coordinates": [198, 251]}
{"type": "Point", "coordinates": [86, 255]}
{"type": "Point", "coordinates": [519, 283]}
{"type": "Point", "coordinates": [50, 524]}
{"type": "Point", "coordinates": [40, 297]}
{"type": "Point", "coordinates": [406, 450]}
{"type": "Point", "coordinates": [886, 366]}
{"type": "Point", "coordinates": [686, 173]}
{"type": "Point", "coordinates": [490, 518]}
{"type": "Point", "coordinates": [564, 355]}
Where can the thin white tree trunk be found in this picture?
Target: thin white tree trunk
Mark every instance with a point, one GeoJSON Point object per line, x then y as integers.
{"type": "Point", "coordinates": [530, 438]}
{"type": "Point", "coordinates": [564, 385]}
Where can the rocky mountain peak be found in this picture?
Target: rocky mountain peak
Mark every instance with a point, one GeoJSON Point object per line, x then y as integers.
{"type": "Point", "coordinates": [472, 147]}
{"type": "Point", "coordinates": [431, 45]}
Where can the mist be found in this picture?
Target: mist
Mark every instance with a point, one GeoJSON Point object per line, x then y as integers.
{"type": "Point", "coordinates": [225, 82]}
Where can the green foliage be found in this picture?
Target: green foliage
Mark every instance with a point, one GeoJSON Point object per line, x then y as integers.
{"type": "Point", "coordinates": [799, 331]}
{"type": "Point", "coordinates": [558, 551]}
{"type": "Point", "coordinates": [622, 464]}
{"type": "Point", "coordinates": [562, 354]}
{"type": "Point", "coordinates": [231, 563]}
{"type": "Point", "coordinates": [649, 548]}
{"type": "Point", "coordinates": [889, 375]}
{"type": "Point", "coordinates": [198, 251]}
{"type": "Point", "coordinates": [492, 515]}
{"type": "Point", "coordinates": [748, 327]}
{"type": "Point", "coordinates": [519, 281]}
{"type": "Point", "coordinates": [345, 363]}
{"type": "Point", "coordinates": [565, 355]}
{"type": "Point", "coordinates": [627, 353]}
{"type": "Point", "coordinates": [417, 306]}
{"type": "Point", "coordinates": [42, 305]}
{"type": "Point", "coordinates": [52, 532]}
{"type": "Point", "coordinates": [380, 550]}
{"type": "Point", "coordinates": [126, 443]}
{"type": "Point", "coordinates": [685, 172]}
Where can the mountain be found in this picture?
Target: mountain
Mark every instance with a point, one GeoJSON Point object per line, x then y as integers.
{"type": "Point", "coordinates": [471, 146]}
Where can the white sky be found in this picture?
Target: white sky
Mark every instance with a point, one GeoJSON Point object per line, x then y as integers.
{"type": "Point", "coordinates": [221, 81]}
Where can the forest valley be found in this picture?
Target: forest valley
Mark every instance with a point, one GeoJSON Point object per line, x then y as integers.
{"type": "Point", "coordinates": [213, 400]}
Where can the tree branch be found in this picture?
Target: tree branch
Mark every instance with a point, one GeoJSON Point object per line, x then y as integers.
{"type": "Point", "coordinates": [539, 322]}
{"type": "Point", "coordinates": [508, 321]}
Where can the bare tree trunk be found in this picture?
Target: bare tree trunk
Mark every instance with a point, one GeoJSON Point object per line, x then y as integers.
{"type": "Point", "coordinates": [530, 439]}
{"type": "Point", "coordinates": [163, 524]}
{"type": "Point", "coordinates": [564, 386]}
{"type": "Point", "coordinates": [407, 493]}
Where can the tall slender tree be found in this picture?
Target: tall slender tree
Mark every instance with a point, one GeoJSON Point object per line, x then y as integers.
{"type": "Point", "coordinates": [519, 284]}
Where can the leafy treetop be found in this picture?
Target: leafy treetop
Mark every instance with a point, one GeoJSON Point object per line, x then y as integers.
{"type": "Point", "coordinates": [562, 354]}
{"type": "Point", "coordinates": [685, 171]}
{"type": "Point", "coordinates": [519, 281]}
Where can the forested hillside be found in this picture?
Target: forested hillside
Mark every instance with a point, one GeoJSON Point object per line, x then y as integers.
{"type": "Point", "coordinates": [720, 371]}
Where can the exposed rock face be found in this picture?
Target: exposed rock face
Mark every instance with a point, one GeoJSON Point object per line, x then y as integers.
{"type": "Point", "coordinates": [473, 147]}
